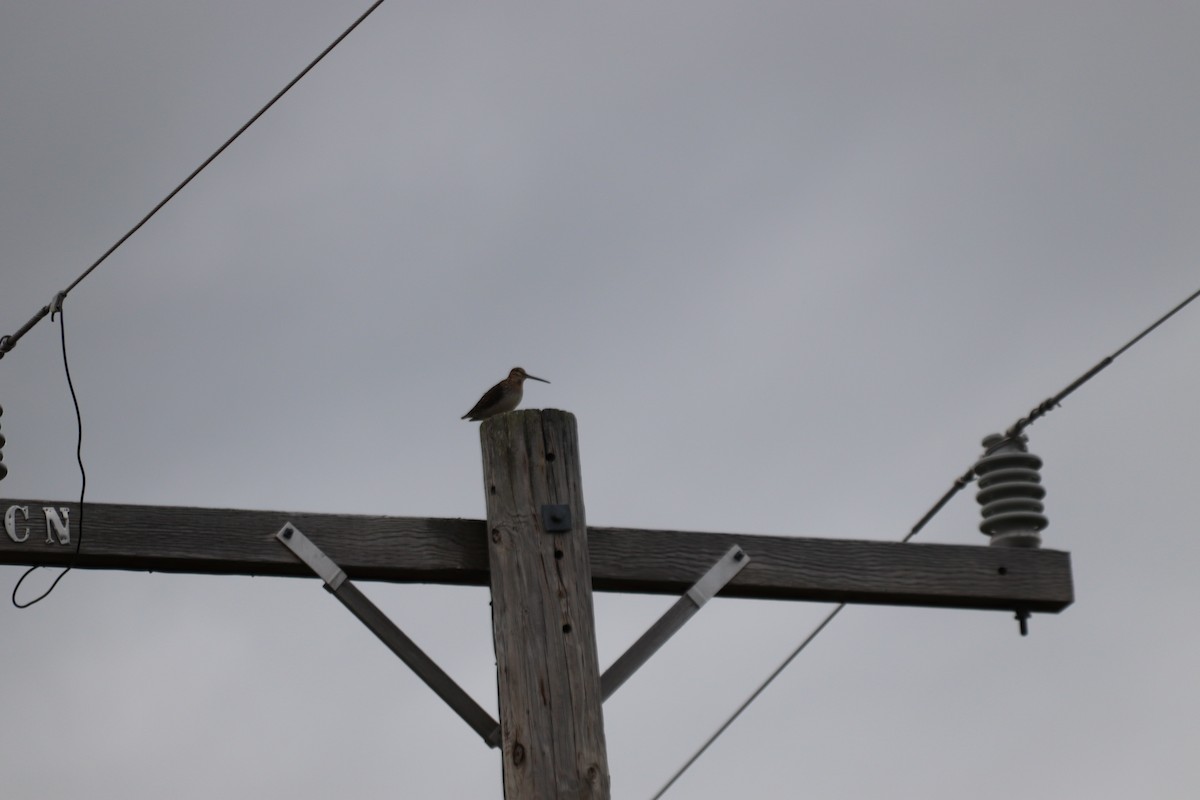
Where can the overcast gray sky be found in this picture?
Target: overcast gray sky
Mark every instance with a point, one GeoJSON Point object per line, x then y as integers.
{"type": "Point", "coordinates": [786, 262]}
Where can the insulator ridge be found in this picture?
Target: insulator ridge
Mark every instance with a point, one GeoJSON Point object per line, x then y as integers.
{"type": "Point", "coordinates": [1010, 492]}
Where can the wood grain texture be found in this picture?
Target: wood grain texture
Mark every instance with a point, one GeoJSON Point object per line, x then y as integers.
{"type": "Point", "coordinates": [455, 551]}
{"type": "Point", "coordinates": [837, 570]}
{"type": "Point", "coordinates": [229, 541]}
{"type": "Point", "coordinates": [548, 674]}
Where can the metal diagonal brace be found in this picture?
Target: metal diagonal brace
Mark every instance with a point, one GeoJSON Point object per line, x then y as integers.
{"type": "Point", "coordinates": [370, 615]}
{"type": "Point", "coordinates": [669, 623]}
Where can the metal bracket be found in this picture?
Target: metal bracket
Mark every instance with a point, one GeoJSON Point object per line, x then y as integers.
{"type": "Point", "coordinates": [312, 555]}
{"type": "Point", "coordinates": [556, 518]}
{"type": "Point", "coordinates": [669, 623]}
{"type": "Point", "coordinates": [370, 615]}
{"type": "Point", "coordinates": [55, 305]}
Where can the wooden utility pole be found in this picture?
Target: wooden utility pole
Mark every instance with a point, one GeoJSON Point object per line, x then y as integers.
{"type": "Point", "coordinates": [548, 675]}
{"type": "Point", "coordinates": [542, 563]}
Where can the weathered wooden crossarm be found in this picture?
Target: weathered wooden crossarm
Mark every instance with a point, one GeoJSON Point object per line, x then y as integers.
{"type": "Point", "coordinates": [454, 551]}
{"type": "Point", "coordinates": [837, 570]}
{"type": "Point", "coordinates": [241, 542]}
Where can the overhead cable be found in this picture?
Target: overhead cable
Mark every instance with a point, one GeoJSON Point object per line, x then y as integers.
{"type": "Point", "coordinates": [8, 342]}
{"type": "Point", "coordinates": [958, 485]}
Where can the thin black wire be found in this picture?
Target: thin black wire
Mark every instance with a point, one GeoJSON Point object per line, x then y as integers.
{"type": "Point", "coordinates": [8, 342]}
{"type": "Point", "coordinates": [961, 482]}
{"type": "Point", "coordinates": [62, 324]}
{"type": "Point", "coordinates": [1046, 406]}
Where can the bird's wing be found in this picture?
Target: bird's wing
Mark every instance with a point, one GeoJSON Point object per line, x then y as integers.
{"type": "Point", "coordinates": [490, 398]}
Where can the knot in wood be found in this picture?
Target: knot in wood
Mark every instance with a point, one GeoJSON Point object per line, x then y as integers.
{"type": "Point", "coordinates": [518, 754]}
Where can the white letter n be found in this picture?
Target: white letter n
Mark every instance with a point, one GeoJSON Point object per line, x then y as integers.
{"type": "Point", "coordinates": [57, 525]}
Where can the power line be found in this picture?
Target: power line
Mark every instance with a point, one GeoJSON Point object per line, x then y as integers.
{"type": "Point", "coordinates": [8, 342]}
{"type": "Point", "coordinates": [958, 485]}
{"type": "Point", "coordinates": [1050, 404]}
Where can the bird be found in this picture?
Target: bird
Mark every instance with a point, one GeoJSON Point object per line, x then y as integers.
{"type": "Point", "coordinates": [504, 396]}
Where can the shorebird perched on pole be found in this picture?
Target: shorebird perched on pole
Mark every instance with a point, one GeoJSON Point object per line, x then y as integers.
{"type": "Point", "coordinates": [504, 396]}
